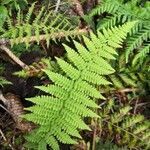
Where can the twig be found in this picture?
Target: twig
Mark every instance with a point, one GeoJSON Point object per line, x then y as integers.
{"type": "Point", "coordinates": [3, 136]}
{"type": "Point", "coordinates": [128, 90]}
{"type": "Point", "coordinates": [136, 105]}
{"type": "Point", "coordinates": [13, 57]}
{"type": "Point", "coordinates": [142, 104]}
{"type": "Point", "coordinates": [94, 134]}
{"type": "Point", "coordinates": [57, 6]}
{"type": "Point", "coordinates": [4, 108]}
{"type": "Point", "coordinates": [2, 98]}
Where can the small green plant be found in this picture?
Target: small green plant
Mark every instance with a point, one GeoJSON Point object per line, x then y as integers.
{"type": "Point", "coordinates": [3, 81]}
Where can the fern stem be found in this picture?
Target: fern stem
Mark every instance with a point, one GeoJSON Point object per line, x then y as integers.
{"type": "Point", "coordinates": [95, 121]}
{"type": "Point", "coordinates": [94, 134]}
{"type": "Point", "coordinates": [13, 57]}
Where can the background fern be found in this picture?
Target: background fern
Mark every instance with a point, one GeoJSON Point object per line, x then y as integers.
{"type": "Point", "coordinates": [71, 98]}
{"type": "Point", "coordinates": [117, 12]}
{"type": "Point", "coordinates": [125, 128]}
{"type": "Point", "coordinates": [44, 25]}
{"type": "Point", "coordinates": [133, 60]}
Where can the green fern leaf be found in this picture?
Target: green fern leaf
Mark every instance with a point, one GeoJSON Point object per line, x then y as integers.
{"type": "Point", "coordinates": [60, 115]}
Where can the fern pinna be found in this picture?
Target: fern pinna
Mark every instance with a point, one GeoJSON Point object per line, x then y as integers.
{"type": "Point", "coordinates": [71, 97]}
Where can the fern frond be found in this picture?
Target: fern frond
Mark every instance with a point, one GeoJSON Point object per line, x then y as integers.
{"type": "Point", "coordinates": [129, 122]}
{"type": "Point", "coordinates": [132, 129]}
{"type": "Point", "coordinates": [28, 15]}
{"type": "Point", "coordinates": [117, 117]}
{"type": "Point", "coordinates": [70, 98]}
{"type": "Point", "coordinates": [116, 13]}
{"type": "Point", "coordinates": [116, 82]}
{"type": "Point", "coordinates": [45, 26]}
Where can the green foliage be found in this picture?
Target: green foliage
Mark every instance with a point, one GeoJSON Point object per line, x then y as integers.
{"type": "Point", "coordinates": [13, 4]}
{"type": "Point", "coordinates": [6, 5]}
{"type": "Point", "coordinates": [117, 12]}
{"type": "Point", "coordinates": [3, 15]}
{"type": "Point", "coordinates": [70, 98]}
{"type": "Point", "coordinates": [3, 81]}
{"type": "Point", "coordinates": [36, 68]}
{"type": "Point", "coordinates": [133, 60]}
{"type": "Point", "coordinates": [108, 146]}
{"type": "Point", "coordinates": [44, 25]}
{"type": "Point", "coordinates": [132, 130]}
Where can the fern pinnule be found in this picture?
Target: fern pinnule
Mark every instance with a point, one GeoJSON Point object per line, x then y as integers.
{"type": "Point", "coordinates": [140, 128]}
{"type": "Point", "coordinates": [116, 82]}
{"type": "Point", "coordinates": [117, 117]}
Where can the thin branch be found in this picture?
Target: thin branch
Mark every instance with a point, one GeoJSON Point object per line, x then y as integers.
{"type": "Point", "coordinates": [4, 108]}
{"type": "Point", "coordinates": [3, 136]}
{"type": "Point", "coordinates": [128, 90]}
{"type": "Point", "coordinates": [2, 98]}
{"type": "Point", "coordinates": [94, 135]}
{"type": "Point", "coordinates": [57, 6]}
{"type": "Point", "coordinates": [142, 104]}
{"type": "Point", "coordinates": [13, 57]}
{"type": "Point", "coordinates": [136, 105]}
